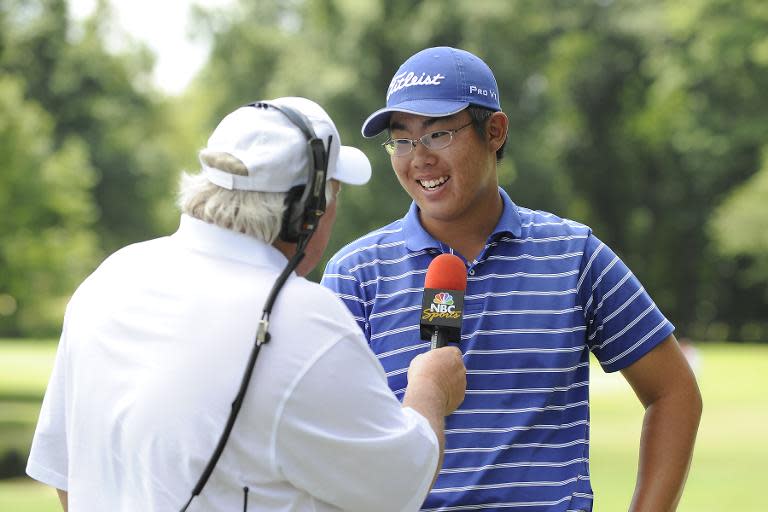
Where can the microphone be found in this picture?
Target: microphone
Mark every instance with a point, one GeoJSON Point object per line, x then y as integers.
{"type": "Point", "coordinates": [443, 302]}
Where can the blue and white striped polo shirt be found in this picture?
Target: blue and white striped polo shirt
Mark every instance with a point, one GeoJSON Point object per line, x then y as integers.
{"type": "Point", "coordinates": [541, 295]}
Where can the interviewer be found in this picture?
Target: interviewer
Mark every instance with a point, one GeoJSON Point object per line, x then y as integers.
{"type": "Point", "coordinates": [156, 340]}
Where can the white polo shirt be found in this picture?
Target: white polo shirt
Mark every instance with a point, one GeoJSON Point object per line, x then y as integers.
{"type": "Point", "coordinates": [151, 356]}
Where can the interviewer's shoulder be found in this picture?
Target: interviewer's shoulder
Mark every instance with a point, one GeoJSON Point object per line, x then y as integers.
{"type": "Point", "coordinates": [119, 267]}
{"type": "Point", "coordinates": [308, 296]}
{"type": "Point", "coordinates": [125, 261]}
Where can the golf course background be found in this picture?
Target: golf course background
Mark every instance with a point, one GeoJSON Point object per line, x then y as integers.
{"type": "Point", "coordinates": [644, 119]}
{"type": "Point", "coordinates": [726, 475]}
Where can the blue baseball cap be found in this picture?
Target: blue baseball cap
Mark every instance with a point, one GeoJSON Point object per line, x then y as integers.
{"type": "Point", "coordinates": [436, 82]}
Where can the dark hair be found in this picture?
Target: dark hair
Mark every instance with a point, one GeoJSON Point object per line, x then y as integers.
{"type": "Point", "coordinates": [479, 116]}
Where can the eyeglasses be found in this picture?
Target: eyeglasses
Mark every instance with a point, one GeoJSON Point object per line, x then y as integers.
{"type": "Point", "coordinates": [434, 141]}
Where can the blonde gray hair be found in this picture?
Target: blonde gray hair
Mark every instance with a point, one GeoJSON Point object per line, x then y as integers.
{"type": "Point", "coordinates": [257, 214]}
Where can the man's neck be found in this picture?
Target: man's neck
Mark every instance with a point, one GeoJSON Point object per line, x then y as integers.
{"type": "Point", "coordinates": [469, 235]}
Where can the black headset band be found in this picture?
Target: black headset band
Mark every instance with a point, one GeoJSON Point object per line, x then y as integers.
{"type": "Point", "coordinates": [296, 117]}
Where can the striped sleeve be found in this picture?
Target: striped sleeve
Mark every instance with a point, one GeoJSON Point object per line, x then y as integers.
{"type": "Point", "coordinates": [623, 322]}
{"type": "Point", "coordinates": [347, 288]}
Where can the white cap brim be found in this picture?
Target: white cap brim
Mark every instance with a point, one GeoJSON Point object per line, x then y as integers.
{"type": "Point", "coordinates": [352, 167]}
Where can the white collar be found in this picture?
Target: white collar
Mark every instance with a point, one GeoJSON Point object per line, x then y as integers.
{"type": "Point", "coordinates": [201, 236]}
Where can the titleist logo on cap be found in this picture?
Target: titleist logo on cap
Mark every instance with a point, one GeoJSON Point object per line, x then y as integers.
{"type": "Point", "coordinates": [410, 79]}
{"type": "Point", "coordinates": [452, 79]}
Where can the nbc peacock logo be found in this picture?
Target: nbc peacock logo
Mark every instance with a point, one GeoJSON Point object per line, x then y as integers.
{"type": "Point", "coordinates": [443, 298]}
{"type": "Point", "coordinates": [442, 303]}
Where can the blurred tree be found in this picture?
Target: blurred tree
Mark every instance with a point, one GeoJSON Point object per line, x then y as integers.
{"type": "Point", "coordinates": [740, 224]}
{"type": "Point", "coordinates": [667, 116]}
{"type": "Point", "coordinates": [46, 243]}
{"type": "Point", "coordinates": [85, 171]}
{"type": "Point", "coordinates": [739, 228]}
{"type": "Point", "coordinates": [102, 97]}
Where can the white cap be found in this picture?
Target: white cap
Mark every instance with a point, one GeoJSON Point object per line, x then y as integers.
{"type": "Point", "coordinates": [275, 150]}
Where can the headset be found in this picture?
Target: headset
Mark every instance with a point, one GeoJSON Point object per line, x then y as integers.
{"type": "Point", "coordinates": [304, 205]}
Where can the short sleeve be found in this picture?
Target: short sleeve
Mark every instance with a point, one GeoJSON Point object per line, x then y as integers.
{"type": "Point", "coordinates": [347, 288]}
{"type": "Point", "coordinates": [48, 458]}
{"type": "Point", "coordinates": [623, 322]}
{"type": "Point", "coordinates": [344, 438]}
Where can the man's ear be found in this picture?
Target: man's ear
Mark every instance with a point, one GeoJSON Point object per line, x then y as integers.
{"type": "Point", "coordinates": [498, 124]}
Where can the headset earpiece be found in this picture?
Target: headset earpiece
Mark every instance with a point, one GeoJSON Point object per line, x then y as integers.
{"type": "Point", "coordinates": [293, 218]}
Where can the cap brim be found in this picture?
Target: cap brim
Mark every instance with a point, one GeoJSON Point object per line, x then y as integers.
{"type": "Point", "coordinates": [379, 120]}
{"type": "Point", "coordinates": [352, 166]}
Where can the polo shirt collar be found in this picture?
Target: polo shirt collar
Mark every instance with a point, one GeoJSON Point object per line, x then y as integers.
{"type": "Point", "coordinates": [208, 238]}
{"type": "Point", "coordinates": [417, 238]}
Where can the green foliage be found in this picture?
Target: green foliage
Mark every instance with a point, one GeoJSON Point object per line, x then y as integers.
{"type": "Point", "coordinates": [46, 241]}
{"type": "Point", "coordinates": [650, 140]}
{"type": "Point", "coordinates": [97, 95]}
{"type": "Point", "coordinates": [739, 226]}
{"type": "Point", "coordinates": [84, 172]}
{"type": "Point", "coordinates": [739, 223]}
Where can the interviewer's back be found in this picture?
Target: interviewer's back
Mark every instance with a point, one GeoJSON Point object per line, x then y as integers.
{"type": "Point", "coordinates": [149, 404]}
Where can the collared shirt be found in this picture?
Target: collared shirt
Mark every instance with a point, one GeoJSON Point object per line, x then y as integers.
{"type": "Point", "coordinates": [152, 353]}
{"type": "Point", "coordinates": [542, 294]}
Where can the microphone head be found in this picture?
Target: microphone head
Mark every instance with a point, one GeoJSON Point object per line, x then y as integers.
{"type": "Point", "coordinates": [443, 301]}
{"type": "Point", "coordinates": [446, 272]}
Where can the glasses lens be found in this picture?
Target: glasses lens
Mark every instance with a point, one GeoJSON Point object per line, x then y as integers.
{"type": "Point", "coordinates": [389, 147]}
{"type": "Point", "coordinates": [437, 140]}
{"type": "Point", "coordinates": [402, 147]}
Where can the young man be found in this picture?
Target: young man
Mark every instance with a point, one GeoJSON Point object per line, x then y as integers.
{"type": "Point", "coordinates": [156, 340]}
{"type": "Point", "coordinates": [542, 292]}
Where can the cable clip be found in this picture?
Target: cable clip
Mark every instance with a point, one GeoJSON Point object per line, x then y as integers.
{"type": "Point", "coordinates": [262, 336]}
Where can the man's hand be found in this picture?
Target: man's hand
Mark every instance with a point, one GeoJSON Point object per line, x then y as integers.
{"type": "Point", "coordinates": [441, 370]}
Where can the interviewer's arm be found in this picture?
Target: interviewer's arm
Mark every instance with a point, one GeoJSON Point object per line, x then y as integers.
{"type": "Point", "coordinates": [62, 499]}
{"type": "Point", "coordinates": [666, 386]}
{"type": "Point", "coordinates": [345, 439]}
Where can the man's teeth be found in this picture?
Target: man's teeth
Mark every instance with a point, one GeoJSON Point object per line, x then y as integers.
{"type": "Point", "coordinates": [433, 183]}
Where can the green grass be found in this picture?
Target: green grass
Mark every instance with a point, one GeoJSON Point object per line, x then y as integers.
{"type": "Point", "coordinates": [24, 370]}
{"type": "Point", "coordinates": [728, 466]}
{"type": "Point", "coordinates": [26, 495]}
{"type": "Point", "coordinates": [726, 474]}
{"type": "Point", "coordinates": [25, 366]}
